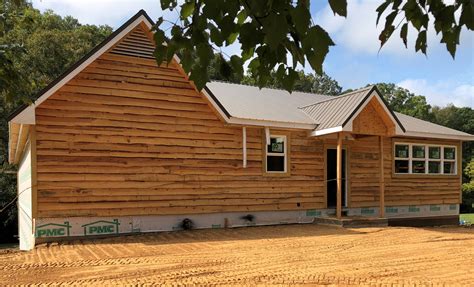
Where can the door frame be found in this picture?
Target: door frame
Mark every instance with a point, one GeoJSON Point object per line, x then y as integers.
{"type": "Point", "coordinates": [345, 147]}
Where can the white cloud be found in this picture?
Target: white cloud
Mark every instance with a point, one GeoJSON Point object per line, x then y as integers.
{"type": "Point", "coordinates": [99, 12]}
{"type": "Point", "coordinates": [359, 33]}
{"type": "Point", "coordinates": [443, 92]}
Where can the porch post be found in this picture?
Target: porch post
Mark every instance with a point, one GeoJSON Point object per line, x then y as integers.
{"type": "Point", "coordinates": [339, 175]}
{"type": "Point", "coordinates": [381, 180]}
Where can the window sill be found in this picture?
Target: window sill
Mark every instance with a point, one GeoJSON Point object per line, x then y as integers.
{"type": "Point", "coordinates": [277, 174]}
{"type": "Point", "coordinates": [424, 176]}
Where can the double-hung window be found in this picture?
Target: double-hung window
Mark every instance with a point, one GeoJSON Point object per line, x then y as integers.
{"type": "Point", "coordinates": [414, 158]}
{"type": "Point", "coordinates": [276, 155]}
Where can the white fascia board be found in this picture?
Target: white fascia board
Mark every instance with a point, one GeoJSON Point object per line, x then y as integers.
{"type": "Point", "coordinates": [270, 124]}
{"type": "Point", "coordinates": [466, 138]}
{"type": "Point", "coordinates": [326, 131]}
{"type": "Point", "coordinates": [29, 115]}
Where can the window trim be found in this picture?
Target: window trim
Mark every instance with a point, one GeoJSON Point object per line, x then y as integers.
{"type": "Point", "coordinates": [284, 154]}
{"type": "Point", "coordinates": [426, 159]}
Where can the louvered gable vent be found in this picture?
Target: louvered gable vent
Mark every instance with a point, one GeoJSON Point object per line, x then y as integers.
{"type": "Point", "coordinates": [135, 44]}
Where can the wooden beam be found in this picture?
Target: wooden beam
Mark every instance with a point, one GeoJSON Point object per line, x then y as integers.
{"type": "Point", "coordinates": [381, 180]}
{"type": "Point", "coordinates": [339, 176]}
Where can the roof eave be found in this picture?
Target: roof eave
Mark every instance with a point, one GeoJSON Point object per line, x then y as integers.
{"type": "Point", "coordinates": [438, 136]}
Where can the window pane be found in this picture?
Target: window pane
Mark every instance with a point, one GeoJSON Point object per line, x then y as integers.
{"type": "Point", "coordinates": [401, 151]}
{"type": "Point", "coordinates": [401, 166]}
{"type": "Point", "coordinates": [418, 151]}
{"type": "Point", "coordinates": [275, 163]}
{"type": "Point", "coordinates": [449, 167]}
{"type": "Point", "coordinates": [418, 167]}
{"type": "Point", "coordinates": [434, 167]}
{"type": "Point", "coordinates": [277, 145]}
{"type": "Point", "coordinates": [434, 152]}
{"type": "Point", "coordinates": [449, 153]}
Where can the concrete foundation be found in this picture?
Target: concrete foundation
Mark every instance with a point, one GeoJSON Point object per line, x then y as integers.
{"type": "Point", "coordinates": [52, 229]}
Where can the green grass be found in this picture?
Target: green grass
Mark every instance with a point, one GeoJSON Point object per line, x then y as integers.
{"type": "Point", "coordinates": [469, 217]}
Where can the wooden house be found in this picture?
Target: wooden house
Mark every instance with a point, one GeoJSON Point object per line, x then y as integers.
{"type": "Point", "coordinates": [119, 145]}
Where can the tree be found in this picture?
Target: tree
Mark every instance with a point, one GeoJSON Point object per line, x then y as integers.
{"type": "Point", "coordinates": [35, 48]}
{"type": "Point", "coordinates": [311, 83]}
{"type": "Point", "coordinates": [269, 32]}
{"type": "Point", "coordinates": [406, 102]}
{"type": "Point", "coordinates": [460, 119]}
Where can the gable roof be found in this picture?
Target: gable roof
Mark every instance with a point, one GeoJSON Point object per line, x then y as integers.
{"type": "Point", "coordinates": [337, 112]}
{"type": "Point", "coordinates": [25, 113]}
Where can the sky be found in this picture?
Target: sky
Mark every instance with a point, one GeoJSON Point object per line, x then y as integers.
{"type": "Point", "coordinates": [354, 62]}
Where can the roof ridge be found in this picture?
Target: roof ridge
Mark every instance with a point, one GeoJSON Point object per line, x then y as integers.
{"type": "Point", "coordinates": [270, 88]}
{"type": "Point", "coordinates": [338, 97]}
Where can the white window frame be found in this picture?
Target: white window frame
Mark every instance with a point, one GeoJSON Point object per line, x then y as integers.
{"type": "Point", "coordinates": [410, 158]}
{"type": "Point", "coordinates": [284, 154]}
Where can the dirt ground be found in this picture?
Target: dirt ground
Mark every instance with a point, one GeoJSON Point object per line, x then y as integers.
{"type": "Point", "coordinates": [283, 255]}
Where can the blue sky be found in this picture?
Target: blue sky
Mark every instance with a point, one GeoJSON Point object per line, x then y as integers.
{"type": "Point", "coordinates": [355, 60]}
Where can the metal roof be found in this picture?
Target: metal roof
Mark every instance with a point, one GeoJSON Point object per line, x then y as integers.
{"type": "Point", "coordinates": [249, 102]}
{"type": "Point", "coordinates": [414, 125]}
{"type": "Point", "coordinates": [335, 111]}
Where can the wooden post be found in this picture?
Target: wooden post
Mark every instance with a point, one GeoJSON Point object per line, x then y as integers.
{"type": "Point", "coordinates": [244, 146]}
{"type": "Point", "coordinates": [339, 176]}
{"type": "Point", "coordinates": [381, 181]}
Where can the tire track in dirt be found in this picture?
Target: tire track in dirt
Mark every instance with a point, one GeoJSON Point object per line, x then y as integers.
{"type": "Point", "coordinates": [282, 255]}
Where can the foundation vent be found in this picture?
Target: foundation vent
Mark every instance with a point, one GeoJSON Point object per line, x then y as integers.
{"type": "Point", "coordinates": [135, 44]}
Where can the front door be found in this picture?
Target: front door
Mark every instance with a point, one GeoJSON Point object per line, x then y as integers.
{"type": "Point", "coordinates": [331, 169]}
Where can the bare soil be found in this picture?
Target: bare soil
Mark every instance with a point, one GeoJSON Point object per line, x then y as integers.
{"type": "Point", "coordinates": [283, 255]}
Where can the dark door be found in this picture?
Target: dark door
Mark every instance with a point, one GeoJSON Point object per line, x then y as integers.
{"type": "Point", "coordinates": [331, 168]}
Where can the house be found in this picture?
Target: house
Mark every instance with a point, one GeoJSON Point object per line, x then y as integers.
{"type": "Point", "coordinates": [125, 146]}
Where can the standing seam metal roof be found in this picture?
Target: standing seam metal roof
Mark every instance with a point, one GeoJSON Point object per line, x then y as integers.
{"type": "Point", "coordinates": [335, 112]}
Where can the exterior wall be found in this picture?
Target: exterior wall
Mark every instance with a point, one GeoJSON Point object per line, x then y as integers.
{"type": "Point", "coordinates": [25, 202]}
{"type": "Point", "coordinates": [399, 189]}
{"type": "Point", "coordinates": [127, 138]}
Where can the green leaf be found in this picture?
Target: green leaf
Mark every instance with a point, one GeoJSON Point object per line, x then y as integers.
{"type": "Point", "coordinates": [451, 39]}
{"type": "Point", "coordinates": [467, 14]}
{"type": "Point", "coordinates": [241, 17]}
{"type": "Point", "coordinates": [168, 4]}
{"type": "Point", "coordinates": [404, 34]}
{"type": "Point", "coordinates": [381, 9]}
{"type": "Point", "coordinates": [385, 34]}
{"type": "Point", "coordinates": [275, 28]}
{"type": "Point", "coordinates": [421, 42]}
{"type": "Point", "coordinates": [339, 7]}
{"type": "Point", "coordinates": [237, 64]}
{"type": "Point", "coordinates": [316, 46]}
{"type": "Point", "coordinates": [224, 68]}
{"type": "Point", "coordinates": [187, 9]}
{"type": "Point", "coordinates": [301, 18]}
{"type": "Point", "coordinates": [231, 39]}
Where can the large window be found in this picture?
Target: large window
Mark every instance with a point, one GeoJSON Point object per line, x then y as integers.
{"type": "Point", "coordinates": [413, 158]}
{"type": "Point", "coordinates": [276, 154]}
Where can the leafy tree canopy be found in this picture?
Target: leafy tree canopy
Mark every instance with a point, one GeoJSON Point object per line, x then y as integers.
{"type": "Point", "coordinates": [310, 83]}
{"type": "Point", "coordinates": [279, 35]}
{"type": "Point", "coordinates": [39, 47]}
{"type": "Point", "coordinates": [406, 102]}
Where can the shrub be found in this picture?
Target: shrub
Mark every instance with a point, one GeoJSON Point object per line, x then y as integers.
{"type": "Point", "coordinates": [467, 198]}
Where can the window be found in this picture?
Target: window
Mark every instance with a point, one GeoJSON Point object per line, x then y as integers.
{"type": "Point", "coordinates": [276, 154]}
{"type": "Point", "coordinates": [424, 159]}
